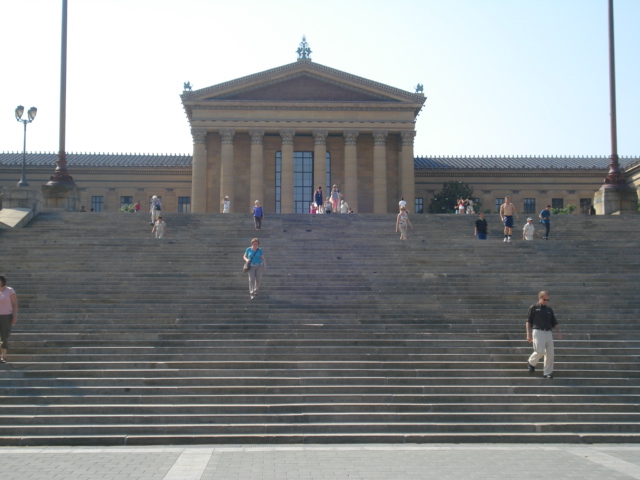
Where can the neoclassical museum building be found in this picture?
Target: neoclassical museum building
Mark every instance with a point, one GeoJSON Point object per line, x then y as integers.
{"type": "Point", "coordinates": [275, 136]}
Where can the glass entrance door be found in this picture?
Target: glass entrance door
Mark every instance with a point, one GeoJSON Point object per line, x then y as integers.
{"type": "Point", "coordinates": [303, 187]}
{"type": "Point", "coordinates": [302, 181]}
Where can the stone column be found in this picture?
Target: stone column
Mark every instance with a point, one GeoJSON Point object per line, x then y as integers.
{"type": "Point", "coordinates": [199, 172]}
{"type": "Point", "coordinates": [407, 181]}
{"type": "Point", "coordinates": [380, 200]}
{"type": "Point", "coordinates": [320, 159]}
{"type": "Point", "coordinates": [286, 177]}
{"type": "Point", "coordinates": [226, 166]}
{"type": "Point", "coordinates": [256, 184]}
{"type": "Point", "coordinates": [350, 187]}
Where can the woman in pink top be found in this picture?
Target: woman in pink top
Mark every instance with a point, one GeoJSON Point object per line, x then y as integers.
{"type": "Point", "coordinates": [8, 315]}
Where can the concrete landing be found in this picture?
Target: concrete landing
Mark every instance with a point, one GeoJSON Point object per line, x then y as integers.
{"type": "Point", "coordinates": [354, 462]}
{"type": "Point", "coordinates": [15, 217]}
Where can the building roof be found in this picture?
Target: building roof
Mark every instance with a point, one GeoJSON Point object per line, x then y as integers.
{"type": "Point", "coordinates": [421, 163]}
{"type": "Point", "coordinates": [518, 162]}
{"type": "Point", "coordinates": [98, 160]}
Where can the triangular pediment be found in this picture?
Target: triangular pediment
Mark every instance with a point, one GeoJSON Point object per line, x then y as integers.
{"type": "Point", "coordinates": [305, 88]}
{"type": "Point", "coordinates": [303, 81]}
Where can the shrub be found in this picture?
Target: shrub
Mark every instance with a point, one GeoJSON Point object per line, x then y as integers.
{"type": "Point", "coordinates": [564, 211]}
{"type": "Point", "coordinates": [130, 208]}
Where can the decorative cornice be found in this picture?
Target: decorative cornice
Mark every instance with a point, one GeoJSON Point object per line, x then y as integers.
{"type": "Point", "coordinates": [125, 171]}
{"type": "Point", "coordinates": [380, 139]}
{"type": "Point", "coordinates": [199, 136]}
{"type": "Point", "coordinates": [557, 173]}
{"type": "Point", "coordinates": [227, 136]}
{"type": "Point", "coordinates": [320, 137]}
{"type": "Point", "coordinates": [407, 138]}
{"type": "Point", "coordinates": [350, 137]}
{"type": "Point", "coordinates": [254, 105]}
{"type": "Point", "coordinates": [287, 136]}
{"type": "Point", "coordinates": [256, 136]}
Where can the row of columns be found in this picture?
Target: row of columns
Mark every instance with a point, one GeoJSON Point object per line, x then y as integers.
{"type": "Point", "coordinates": [256, 183]}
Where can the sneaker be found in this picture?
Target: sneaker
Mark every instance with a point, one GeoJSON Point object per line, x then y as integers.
{"type": "Point", "coordinates": [531, 367]}
{"type": "Point", "coordinates": [2, 360]}
{"type": "Point", "coordinates": [508, 240]}
{"type": "Point", "coordinates": [505, 239]}
{"type": "Point", "coordinates": [548, 376]}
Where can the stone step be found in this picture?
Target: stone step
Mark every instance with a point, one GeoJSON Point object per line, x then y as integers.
{"type": "Point", "coordinates": [417, 341]}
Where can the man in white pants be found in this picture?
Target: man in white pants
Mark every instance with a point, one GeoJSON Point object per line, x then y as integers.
{"type": "Point", "coordinates": [542, 321]}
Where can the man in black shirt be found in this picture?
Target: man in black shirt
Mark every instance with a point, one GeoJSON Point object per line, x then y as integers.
{"type": "Point", "coordinates": [482, 228]}
{"type": "Point", "coordinates": [542, 321]}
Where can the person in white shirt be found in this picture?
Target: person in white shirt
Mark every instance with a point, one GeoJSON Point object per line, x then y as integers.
{"type": "Point", "coordinates": [402, 203]}
{"type": "Point", "coordinates": [529, 230]}
{"type": "Point", "coordinates": [156, 209]}
{"type": "Point", "coordinates": [226, 205]}
{"type": "Point", "coordinates": [8, 315]}
{"type": "Point", "coordinates": [159, 228]}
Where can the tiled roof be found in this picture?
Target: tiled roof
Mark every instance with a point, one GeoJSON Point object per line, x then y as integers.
{"type": "Point", "coordinates": [98, 160]}
{"type": "Point", "coordinates": [421, 163]}
{"type": "Point", "coordinates": [517, 162]}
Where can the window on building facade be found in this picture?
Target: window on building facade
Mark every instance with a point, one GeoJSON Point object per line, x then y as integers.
{"type": "Point", "coordinates": [278, 179]}
{"type": "Point", "coordinates": [419, 205]}
{"type": "Point", "coordinates": [557, 203]}
{"type": "Point", "coordinates": [585, 204]}
{"type": "Point", "coordinates": [184, 204]}
{"type": "Point", "coordinates": [97, 203]}
{"type": "Point", "coordinates": [328, 159]}
{"type": "Point", "coordinates": [302, 181]}
{"type": "Point", "coordinates": [499, 202]}
{"type": "Point", "coordinates": [126, 201]}
{"type": "Point", "coordinates": [529, 205]}
{"type": "Point", "coordinates": [303, 187]}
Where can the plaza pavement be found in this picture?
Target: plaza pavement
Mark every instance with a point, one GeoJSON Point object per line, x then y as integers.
{"type": "Point", "coordinates": [348, 462]}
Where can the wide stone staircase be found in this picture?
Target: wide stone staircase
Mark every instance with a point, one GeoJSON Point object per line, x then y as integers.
{"type": "Point", "coordinates": [355, 336]}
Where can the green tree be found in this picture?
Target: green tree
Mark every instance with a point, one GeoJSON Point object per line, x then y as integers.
{"type": "Point", "coordinates": [445, 200]}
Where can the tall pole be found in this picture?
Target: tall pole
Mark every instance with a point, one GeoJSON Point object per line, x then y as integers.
{"type": "Point", "coordinates": [614, 179]}
{"type": "Point", "coordinates": [23, 179]}
{"type": "Point", "coordinates": [60, 175]}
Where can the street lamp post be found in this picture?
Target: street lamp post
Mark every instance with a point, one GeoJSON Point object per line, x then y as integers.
{"type": "Point", "coordinates": [31, 116]}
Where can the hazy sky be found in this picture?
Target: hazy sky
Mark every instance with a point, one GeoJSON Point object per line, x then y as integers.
{"type": "Point", "coordinates": [502, 77]}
